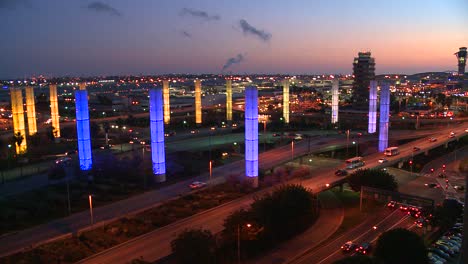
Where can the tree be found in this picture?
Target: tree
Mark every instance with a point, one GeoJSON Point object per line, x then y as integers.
{"type": "Point", "coordinates": [447, 214]}
{"type": "Point", "coordinates": [285, 212]}
{"type": "Point", "coordinates": [18, 139]}
{"type": "Point", "coordinates": [372, 178]}
{"type": "Point", "coordinates": [400, 246]}
{"type": "Point", "coordinates": [194, 246]}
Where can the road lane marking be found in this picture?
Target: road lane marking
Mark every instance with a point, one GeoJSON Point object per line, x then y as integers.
{"type": "Point", "coordinates": [358, 237]}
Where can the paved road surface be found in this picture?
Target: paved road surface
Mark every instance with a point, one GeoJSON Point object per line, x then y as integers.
{"type": "Point", "coordinates": [15, 242]}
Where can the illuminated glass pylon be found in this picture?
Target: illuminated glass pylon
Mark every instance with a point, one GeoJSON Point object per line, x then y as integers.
{"type": "Point", "coordinates": [31, 109]}
{"type": "Point", "coordinates": [372, 107]}
{"type": "Point", "coordinates": [198, 104]}
{"type": "Point", "coordinates": [82, 129]}
{"type": "Point", "coordinates": [335, 101]}
{"type": "Point", "coordinates": [54, 112]}
{"type": "Point", "coordinates": [18, 120]}
{"type": "Point", "coordinates": [167, 103]}
{"type": "Point", "coordinates": [228, 100]}
{"type": "Point", "coordinates": [251, 134]}
{"type": "Point", "coordinates": [157, 134]}
{"type": "Point", "coordinates": [384, 111]}
{"type": "Point", "coordinates": [286, 101]}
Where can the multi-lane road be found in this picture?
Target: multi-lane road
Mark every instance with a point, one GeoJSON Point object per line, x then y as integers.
{"type": "Point", "coordinates": [151, 246]}
{"type": "Point", "coordinates": [139, 246]}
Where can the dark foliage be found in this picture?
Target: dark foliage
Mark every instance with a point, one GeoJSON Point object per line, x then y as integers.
{"type": "Point", "coordinates": [401, 246]}
{"type": "Point", "coordinates": [194, 246]}
{"type": "Point", "coordinates": [372, 178]}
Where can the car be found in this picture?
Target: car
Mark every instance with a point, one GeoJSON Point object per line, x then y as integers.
{"type": "Point", "coordinates": [442, 175]}
{"type": "Point", "coordinates": [415, 214]}
{"type": "Point", "coordinates": [197, 185]}
{"type": "Point", "coordinates": [234, 125]}
{"type": "Point", "coordinates": [194, 131]}
{"type": "Point", "coordinates": [452, 134]}
{"type": "Point", "coordinates": [341, 173]}
{"type": "Point", "coordinates": [432, 185]}
{"type": "Point", "coordinates": [348, 246]}
{"type": "Point", "coordinates": [459, 187]}
{"type": "Point", "coordinates": [404, 207]}
{"type": "Point", "coordinates": [364, 248]}
{"type": "Point", "coordinates": [439, 253]}
{"type": "Point", "coordinates": [416, 149]}
{"type": "Point", "coordinates": [445, 249]}
{"type": "Point", "coordinates": [420, 222]}
{"type": "Point", "coordinates": [382, 160]}
{"type": "Point", "coordinates": [466, 130]}
{"type": "Point", "coordinates": [432, 139]}
{"type": "Point", "coordinates": [434, 258]}
{"type": "Point", "coordinates": [392, 204]}
{"type": "Point", "coordinates": [63, 160]}
{"type": "Point", "coordinates": [276, 134]}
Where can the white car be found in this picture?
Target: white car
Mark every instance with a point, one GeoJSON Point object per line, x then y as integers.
{"type": "Point", "coordinates": [65, 160]}
{"type": "Point", "coordinates": [383, 160]}
{"type": "Point", "coordinates": [197, 185]}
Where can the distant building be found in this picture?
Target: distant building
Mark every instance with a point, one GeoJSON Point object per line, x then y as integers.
{"type": "Point", "coordinates": [461, 57]}
{"type": "Point", "coordinates": [363, 71]}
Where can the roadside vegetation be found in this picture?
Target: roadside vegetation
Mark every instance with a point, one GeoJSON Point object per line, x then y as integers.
{"type": "Point", "coordinates": [271, 219]}
{"type": "Point", "coordinates": [87, 243]}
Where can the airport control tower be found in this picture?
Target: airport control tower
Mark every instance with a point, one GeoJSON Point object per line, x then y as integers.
{"type": "Point", "coordinates": [461, 57]}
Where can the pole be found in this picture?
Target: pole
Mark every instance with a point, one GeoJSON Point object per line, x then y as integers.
{"type": "Point", "coordinates": [347, 143]}
{"type": "Point", "coordinates": [264, 136]}
{"type": "Point", "coordinates": [68, 197]}
{"type": "Point", "coordinates": [238, 244]}
{"type": "Point", "coordinates": [90, 198]}
{"type": "Point", "coordinates": [357, 147]}
{"type": "Point", "coordinates": [292, 150]}
{"type": "Point", "coordinates": [211, 169]}
{"type": "Point", "coordinates": [360, 201]}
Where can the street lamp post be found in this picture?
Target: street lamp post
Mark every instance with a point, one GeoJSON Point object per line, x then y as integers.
{"type": "Point", "coordinates": [211, 169]}
{"type": "Point", "coordinates": [90, 198]}
{"type": "Point", "coordinates": [292, 150]}
{"type": "Point", "coordinates": [238, 241]}
{"type": "Point", "coordinates": [347, 143]}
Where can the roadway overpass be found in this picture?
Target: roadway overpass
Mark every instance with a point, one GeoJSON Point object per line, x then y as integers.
{"type": "Point", "coordinates": [156, 244]}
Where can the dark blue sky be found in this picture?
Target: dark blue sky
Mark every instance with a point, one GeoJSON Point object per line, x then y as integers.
{"type": "Point", "coordinates": [81, 37]}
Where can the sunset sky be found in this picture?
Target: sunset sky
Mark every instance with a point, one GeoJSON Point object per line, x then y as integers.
{"type": "Point", "coordinates": [90, 38]}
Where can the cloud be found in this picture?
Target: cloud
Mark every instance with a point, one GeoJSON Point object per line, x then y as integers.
{"type": "Point", "coordinates": [103, 8]}
{"type": "Point", "coordinates": [249, 29]}
{"type": "Point", "coordinates": [186, 34]}
{"type": "Point", "coordinates": [198, 14]}
{"type": "Point", "coordinates": [234, 60]}
{"type": "Point", "coordinates": [12, 4]}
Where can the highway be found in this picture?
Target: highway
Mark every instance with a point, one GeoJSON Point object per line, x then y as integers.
{"type": "Point", "coordinates": [384, 220]}
{"type": "Point", "coordinates": [145, 246]}
{"type": "Point", "coordinates": [15, 242]}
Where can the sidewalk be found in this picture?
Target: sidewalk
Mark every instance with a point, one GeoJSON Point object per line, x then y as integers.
{"type": "Point", "coordinates": [330, 219]}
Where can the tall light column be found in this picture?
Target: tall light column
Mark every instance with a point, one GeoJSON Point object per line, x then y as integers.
{"type": "Point", "coordinates": [31, 108]}
{"type": "Point", "coordinates": [82, 86]}
{"type": "Point", "coordinates": [286, 101]}
{"type": "Point", "coordinates": [54, 113]}
{"type": "Point", "coordinates": [229, 100]}
{"type": "Point", "coordinates": [251, 134]}
{"type": "Point", "coordinates": [167, 103]}
{"type": "Point", "coordinates": [372, 107]}
{"type": "Point", "coordinates": [157, 134]}
{"type": "Point", "coordinates": [18, 119]}
{"type": "Point", "coordinates": [83, 132]}
{"type": "Point", "coordinates": [335, 101]}
{"type": "Point", "coordinates": [384, 110]}
{"type": "Point", "coordinates": [198, 105]}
